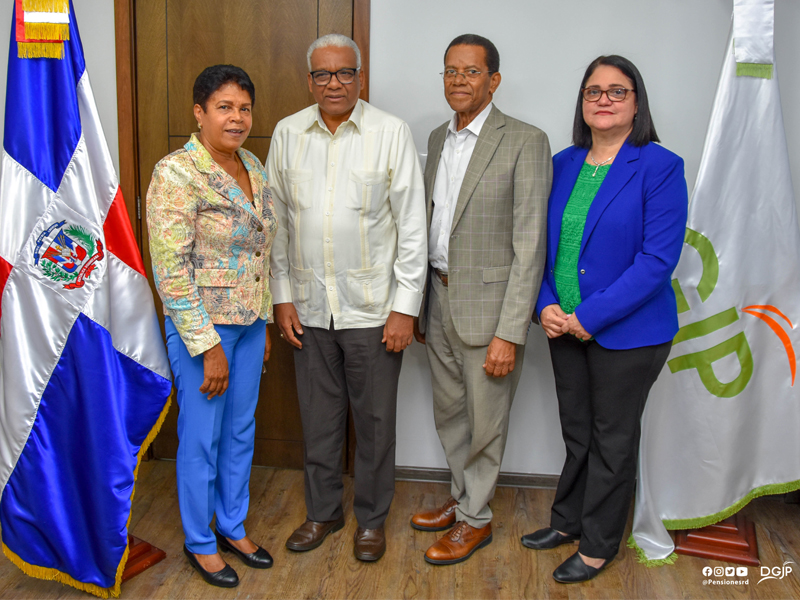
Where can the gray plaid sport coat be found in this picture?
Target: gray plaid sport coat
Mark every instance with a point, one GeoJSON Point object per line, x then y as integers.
{"type": "Point", "coordinates": [497, 244]}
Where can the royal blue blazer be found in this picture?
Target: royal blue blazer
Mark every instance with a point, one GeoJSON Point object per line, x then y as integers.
{"type": "Point", "coordinates": [630, 247]}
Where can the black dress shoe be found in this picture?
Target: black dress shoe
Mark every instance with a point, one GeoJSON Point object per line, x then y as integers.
{"type": "Point", "coordinates": [547, 538]}
{"type": "Point", "coordinates": [260, 559]}
{"type": "Point", "coordinates": [574, 570]}
{"type": "Point", "coordinates": [226, 578]}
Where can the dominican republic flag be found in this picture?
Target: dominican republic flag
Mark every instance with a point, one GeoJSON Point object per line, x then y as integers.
{"type": "Point", "coordinates": [84, 376]}
{"type": "Point", "coordinates": [721, 425]}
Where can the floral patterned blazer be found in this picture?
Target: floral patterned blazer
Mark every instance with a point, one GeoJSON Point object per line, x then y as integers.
{"type": "Point", "coordinates": [209, 244]}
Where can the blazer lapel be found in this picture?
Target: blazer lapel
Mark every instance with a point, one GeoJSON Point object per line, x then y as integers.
{"type": "Point", "coordinates": [488, 140]}
{"type": "Point", "coordinates": [432, 167]}
{"type": "Point", "coordinates": [620, 173]}
{"type": "Point", "coordinates": [216, 177]}
{"type": "Point", "coordinates": [256, 184]}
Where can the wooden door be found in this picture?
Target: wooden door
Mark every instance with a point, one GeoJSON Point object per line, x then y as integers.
{"type": "Point", "coordinates": [174, 41]}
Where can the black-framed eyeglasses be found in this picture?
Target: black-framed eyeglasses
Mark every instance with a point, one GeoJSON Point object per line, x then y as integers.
{"type": "Point", "coordinates": [615, 94]}
{"type": "Point", "coordinates": [345, 76]}
{"type": "Point", "coordinates": [470, 74]}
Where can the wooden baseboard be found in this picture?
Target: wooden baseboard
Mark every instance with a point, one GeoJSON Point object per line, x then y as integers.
{"type": "Point", "coordinates": [523, 480]}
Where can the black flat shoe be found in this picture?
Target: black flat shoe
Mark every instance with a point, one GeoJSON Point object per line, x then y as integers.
{"type": "Point", "coordinates": [226, 578]}
{"type": "Point", "coordinates": [547, 538]}
{"type": "Point", "coordinates": [574, 570]}
{"type": "Point", "coordinates": [260, 559]}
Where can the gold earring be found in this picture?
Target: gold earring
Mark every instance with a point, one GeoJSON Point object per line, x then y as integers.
{"type": "Point", "coordinates": [199, 126]}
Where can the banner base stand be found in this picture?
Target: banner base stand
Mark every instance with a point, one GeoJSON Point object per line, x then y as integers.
{"type": "Point", "coordinates": [141, 556]}
{"type": "Point", "coordinates": [732, 540]}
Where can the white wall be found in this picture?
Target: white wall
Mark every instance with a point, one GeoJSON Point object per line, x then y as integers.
{"type": "Point", "coordinates": [544, 49]}
{"type": "Point", "coordinates": [96, 23]}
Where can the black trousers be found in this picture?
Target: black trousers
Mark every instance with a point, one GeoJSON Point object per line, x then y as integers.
{"type": "Point", "coordinates": [601, 396]}
{"type": "Point", "coordinates": [334, 369]}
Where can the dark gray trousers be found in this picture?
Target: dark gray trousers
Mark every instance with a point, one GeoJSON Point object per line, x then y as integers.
{"type": "Point", "coordinates": [335, 368]}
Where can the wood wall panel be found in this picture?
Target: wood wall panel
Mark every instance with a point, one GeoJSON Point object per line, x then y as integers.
{"type": "Point", "coordinates": [151, 118]}
{"type": "Point", "coordinates": [258, 146]}
{"type": "Point", "coordinates": [153, 145]}
{"type": "Point", "coordinates": [271, 452]}
{"type": "Point", "coordinates": [151, 53]}
{"type": "Point", "coordinates": [124, 32]}
{"type": "Point", "coordinates": [266, 39]}
{"type": "Point", "coordinates": [166, 443]}
{"type": "Point", "coordinates": [361, 18]}
{"type": "Point", "coordinates": [177, 141]}
{"type": "Point", "coordinates": [278, 390]}
{"type": "Point", "coordinates": [335, 18]}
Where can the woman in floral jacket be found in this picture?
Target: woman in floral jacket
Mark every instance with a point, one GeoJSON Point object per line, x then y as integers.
{"type": "Point", "coordinates": [211, 224]}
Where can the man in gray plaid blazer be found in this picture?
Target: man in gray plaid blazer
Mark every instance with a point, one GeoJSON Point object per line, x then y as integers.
{"type": "Point", "coordinates": [487, 180]}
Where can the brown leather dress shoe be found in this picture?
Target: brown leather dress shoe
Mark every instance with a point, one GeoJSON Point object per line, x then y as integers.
{"type": "Point", "coordinates": [370, 544]}
{"type": "Point", "coordinates": [459, 544]}
{"type": "Point", "coordinates": [311, 533]}
{"type": "Point", "coordinates": [436, 520]}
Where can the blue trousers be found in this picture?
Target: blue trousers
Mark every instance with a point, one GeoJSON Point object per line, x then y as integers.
{"type": "Point", "coordinates": [215, 437]}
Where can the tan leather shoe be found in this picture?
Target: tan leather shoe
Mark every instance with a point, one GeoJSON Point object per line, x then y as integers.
{"type": "Point", "coordinates": [459, 544]}
{"type": "Point", "coordinates": [311, 533]}
{"type": "Point", "coordinates": [369, 544]}
{"type": "Point", "coordinates": [436, 520]}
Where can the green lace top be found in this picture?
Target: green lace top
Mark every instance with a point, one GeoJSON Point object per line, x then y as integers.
{"type": "Point", "coordinates": [569, 244]}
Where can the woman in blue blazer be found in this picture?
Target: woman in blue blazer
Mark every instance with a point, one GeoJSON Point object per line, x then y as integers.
{"type": "Point", "coordinates": [615, 228]}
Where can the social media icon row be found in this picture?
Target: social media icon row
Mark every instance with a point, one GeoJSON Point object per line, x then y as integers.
{"type": "Point", "coordinates": [725, 571]}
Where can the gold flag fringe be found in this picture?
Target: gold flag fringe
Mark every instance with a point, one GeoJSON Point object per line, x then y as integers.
{"type": "Point", "coordinates": [150, 437]}
{"type": "Point", "coordinates": [60, 6]}
{"type": "Point", "coordinates": [56, 575]}
{"type": "Point", "coordinates": [142, 451]}
{"type": "Point", "coordinates": [40, 50]}
{"type": "Point", "coordinates": [47, 31]}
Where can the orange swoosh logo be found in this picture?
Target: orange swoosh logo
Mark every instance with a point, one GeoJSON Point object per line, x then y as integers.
{"type": "Point", "coordinates": [773, 324]}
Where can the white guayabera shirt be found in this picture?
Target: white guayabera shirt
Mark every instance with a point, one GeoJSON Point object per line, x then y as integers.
{"type": "Point", "coordinates": [351, 239]}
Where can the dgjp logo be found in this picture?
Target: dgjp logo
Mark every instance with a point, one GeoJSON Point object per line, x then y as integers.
{"type": "Point", "coordinates": [776, 572]}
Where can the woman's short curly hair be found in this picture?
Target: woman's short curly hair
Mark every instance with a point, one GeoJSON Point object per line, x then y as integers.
{"type": "Point", "coordinates": [213, 78]}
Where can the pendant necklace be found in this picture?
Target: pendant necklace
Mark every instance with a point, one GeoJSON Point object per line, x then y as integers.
{"type": "Point", "coordinates": [597, 165]}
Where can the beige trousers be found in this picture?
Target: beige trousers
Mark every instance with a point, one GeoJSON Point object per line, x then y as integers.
{"type": "Point", "coordinates": [470, 409]}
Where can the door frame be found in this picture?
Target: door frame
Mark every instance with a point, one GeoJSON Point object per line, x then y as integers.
{"type": "Point", "coordinates": [125, 35]}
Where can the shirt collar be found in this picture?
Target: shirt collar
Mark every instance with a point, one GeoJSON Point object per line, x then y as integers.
{"type": "Point", "coordinates": [475, 125]}
{"type": "Point", "coordinates": [355, 117]}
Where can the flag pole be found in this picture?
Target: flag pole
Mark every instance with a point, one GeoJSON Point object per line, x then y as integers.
{"type": "Point", "coordinates": [732, 540]}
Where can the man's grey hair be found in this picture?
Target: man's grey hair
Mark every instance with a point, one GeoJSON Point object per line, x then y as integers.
{"type": "Point", "coordinates": [334, 40]}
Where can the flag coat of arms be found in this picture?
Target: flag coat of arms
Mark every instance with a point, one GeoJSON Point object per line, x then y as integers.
{"type": "Point", "coordinates": [721, 425]}
{"type": "Point", "coordinates": [84, 376]}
